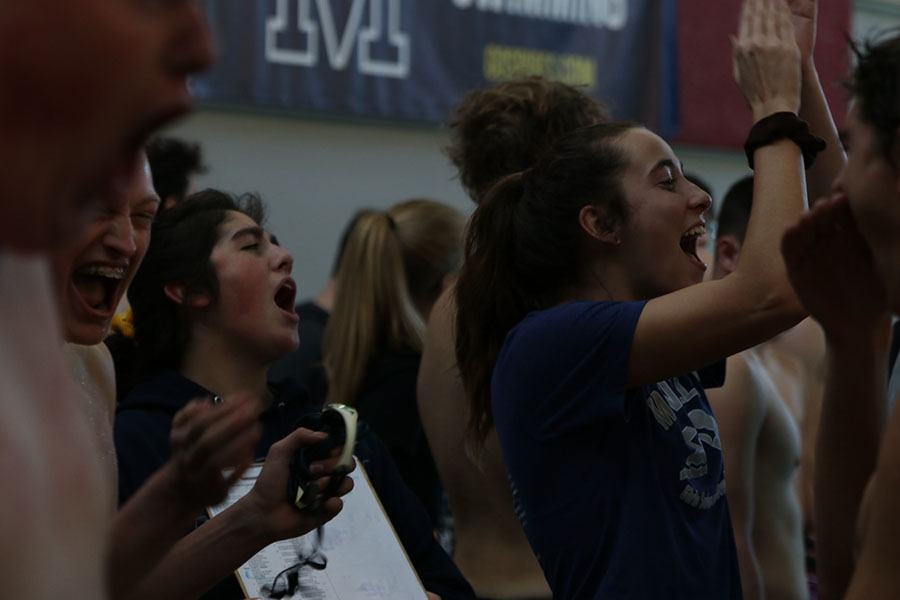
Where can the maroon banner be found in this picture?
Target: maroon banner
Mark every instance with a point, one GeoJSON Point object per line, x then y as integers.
{"type": "Point", "coordinates": [712, 111]}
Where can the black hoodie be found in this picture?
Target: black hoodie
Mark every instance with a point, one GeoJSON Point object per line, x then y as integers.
{"type": "Point", "coordinates": [142, 426]}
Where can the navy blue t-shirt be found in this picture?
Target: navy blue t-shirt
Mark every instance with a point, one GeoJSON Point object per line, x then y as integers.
{"type": "Point", "coordinates": [621, 492]}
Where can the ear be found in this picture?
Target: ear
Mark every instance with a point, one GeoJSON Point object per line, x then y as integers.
{"type": "Point", "coordinates": [728, 250]}
{"type": "Point", "coordinates": [597, 224]}
{"type": "Point", "coordinates": [176, 293]}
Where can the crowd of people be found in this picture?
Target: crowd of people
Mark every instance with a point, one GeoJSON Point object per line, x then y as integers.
{"type": "Point", "coordinates": [561, 398]}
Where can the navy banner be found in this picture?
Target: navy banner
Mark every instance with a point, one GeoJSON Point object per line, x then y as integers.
{"type": "Point", "coordinates": [414, 59]}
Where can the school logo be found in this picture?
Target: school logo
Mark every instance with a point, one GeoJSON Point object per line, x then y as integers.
{"type": "Point", "coordinates": [699, 432]}
{"type": "Point", "coordinates": [370, 26]}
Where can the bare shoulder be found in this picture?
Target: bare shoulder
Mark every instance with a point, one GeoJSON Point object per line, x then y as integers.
{"type": "Point", "coordinates": [746, 379]}
{"type": "Point", "coordinates": [438, 364]}
{"type": "Point", "coordinates": [442, 319]}
{"type": "Point", "coordinates": [806, 341]}
{"type": "Point", "coordinates": [739, 405]}
{"type": "Point", "coordinates": [92, 368]}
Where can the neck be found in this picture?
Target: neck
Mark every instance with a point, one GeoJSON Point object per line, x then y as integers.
{"type": "Point", "coordinates": [599, 284]}
{"type": "Point", "coordinates": [325, 299]}
{"type": "Point", "coordinates": [211, 363]}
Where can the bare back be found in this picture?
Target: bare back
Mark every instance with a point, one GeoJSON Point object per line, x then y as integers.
{"type": "Point", "coordinates": [491, 549]}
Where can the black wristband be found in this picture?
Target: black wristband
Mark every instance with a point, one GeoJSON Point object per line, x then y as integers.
{"type": "Point", "coordinates": [779, 126]}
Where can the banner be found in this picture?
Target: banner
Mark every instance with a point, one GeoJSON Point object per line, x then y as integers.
{"type": "Point", "coordinates": [414, 59]}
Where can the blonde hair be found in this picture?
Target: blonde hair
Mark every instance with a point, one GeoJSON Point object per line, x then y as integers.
{"type": "Point", "coordinates": [393, 262]}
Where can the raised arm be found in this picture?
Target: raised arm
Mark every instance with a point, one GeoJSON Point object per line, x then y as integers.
{"type": "Point", "coordinates": [698, 325]}
{"type": "Point", "coordinates": [831, 268]}
{"type": "Point", "coordinates": [813, 104]}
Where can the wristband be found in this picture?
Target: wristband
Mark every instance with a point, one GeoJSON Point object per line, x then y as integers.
{"type": "Point", "coordinates": [782, 125]}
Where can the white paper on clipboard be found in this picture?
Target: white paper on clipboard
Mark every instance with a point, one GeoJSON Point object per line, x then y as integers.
{"type": "Point", "coordinates": [365, 559]}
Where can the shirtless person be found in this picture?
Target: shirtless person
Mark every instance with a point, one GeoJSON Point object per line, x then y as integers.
{"type": "Point", "coordinates": [72, 122]}
{"type": "Point", "coordinates": [495, 132]}
{"type": "Point", "coordinates": [757, 411]}
{"type": "Point", "coordinates": [844, 262]}
{"type": "Point", "coordinates": [91, 274]}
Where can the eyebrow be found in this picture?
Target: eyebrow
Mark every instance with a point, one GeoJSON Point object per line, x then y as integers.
{"type": "Point", "coordinates": [255, 231]}
{"type": "Point", "coordinates": [668, 162]}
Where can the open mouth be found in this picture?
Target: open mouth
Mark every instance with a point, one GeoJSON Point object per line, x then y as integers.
{"type": "Point", "coordinates": [285, 295]}
{"type": "Point", "coordinates": [98, 286]}
{"type": "Point", "coordinates": [689, 242]}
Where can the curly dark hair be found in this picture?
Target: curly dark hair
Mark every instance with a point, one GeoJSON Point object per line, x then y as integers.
{"type": "Point", "coordinates": [172, 162]}
{"type": "Point", "coordinates": [503, 129]}
{"type": "Point", "coordinates": [875, 84]}
{"type": "Point", "coordinates": [181, 243]}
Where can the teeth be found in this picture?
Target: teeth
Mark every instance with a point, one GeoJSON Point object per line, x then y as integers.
{"type": "Point", "coordinates": [108, 272]}
{"type": "Point", "coordinates": [695, 231]}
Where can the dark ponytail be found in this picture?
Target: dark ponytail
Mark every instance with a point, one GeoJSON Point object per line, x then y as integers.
{"type": "Point", "coordinates": [525, 247]}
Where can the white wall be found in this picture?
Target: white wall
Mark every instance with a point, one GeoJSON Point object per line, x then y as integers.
{"type": "Point", "coordinates": [315, 173]}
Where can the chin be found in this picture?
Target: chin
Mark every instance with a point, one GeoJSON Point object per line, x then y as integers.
{"type": "Point", "coordinates": [286, 345]}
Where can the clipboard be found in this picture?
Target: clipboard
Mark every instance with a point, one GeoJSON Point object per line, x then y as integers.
{"type": "Point", "coordinates": [366, 560]}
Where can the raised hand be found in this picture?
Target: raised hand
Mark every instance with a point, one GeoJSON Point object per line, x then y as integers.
{"type": "Point", "coordinates": [268, 500]}
{"type": "Point", "coordinates": [804, 15]}
{"type": "Point", "coordinates": [766, 58]}
{"type": "Point", "coordinates": [832, 271]}
{"type": "Point", "coordinates": [207, 439]}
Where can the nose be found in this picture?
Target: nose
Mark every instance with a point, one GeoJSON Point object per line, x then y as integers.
{"type": "Point", "coordinates": [120, 236]}
{"type": "Point", "coordinates": [191, 49]}
{"type": "Point", "coordinates": [283, 260]}
{"type": "Point", "coordinates": [699, 199]}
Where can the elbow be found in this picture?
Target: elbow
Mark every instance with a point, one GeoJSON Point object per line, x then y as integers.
{"type": "Point", "coordinates": [779, 309]}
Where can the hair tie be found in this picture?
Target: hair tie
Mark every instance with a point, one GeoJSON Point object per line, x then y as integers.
{"type": "Point", "coordinates": [391, 222]}
{"type": "Point", "coordinates": [779, 126]}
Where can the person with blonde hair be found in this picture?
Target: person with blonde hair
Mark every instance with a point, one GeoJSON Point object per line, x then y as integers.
{"type": "Point", "coordinates": [394, 267]}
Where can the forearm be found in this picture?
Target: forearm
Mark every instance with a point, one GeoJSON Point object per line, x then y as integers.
{"type": "Point", "coordinates": [145, 528]}
{"type": "Point", "coordinates": [778, 201]}
{"type": "Point", "coordinates": [852, 421]}
{"type": "Point", "coordinates": [814, 110]}
{"type": "Point", "coordinates": [206, 556]}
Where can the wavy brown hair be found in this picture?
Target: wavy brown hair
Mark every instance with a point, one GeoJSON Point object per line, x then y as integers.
{"type": "Point", "coordinates": [503, 129]}
{"type": "Point", "coordinates": [525, 246]}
